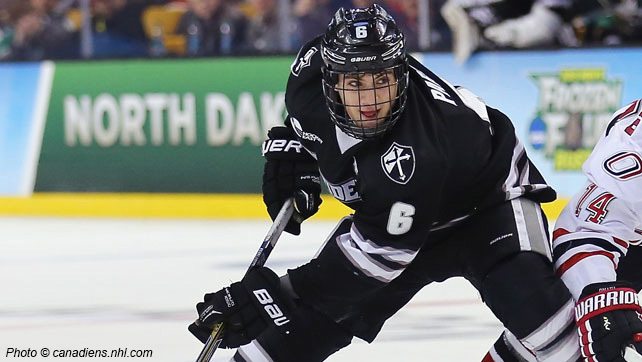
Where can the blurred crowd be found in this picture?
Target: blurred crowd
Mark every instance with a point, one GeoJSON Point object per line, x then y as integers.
{"type": "Point", "coordinates": [68, 29]}
{"type": "Point", "coordinates": [491, 24]}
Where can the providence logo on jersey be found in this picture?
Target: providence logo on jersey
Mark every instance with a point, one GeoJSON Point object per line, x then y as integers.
{"type": "Point", "coordinates": [399, 163]}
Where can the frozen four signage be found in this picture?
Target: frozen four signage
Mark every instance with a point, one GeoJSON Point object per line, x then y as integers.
{"type": "Point", "coordinates": [573, 107]}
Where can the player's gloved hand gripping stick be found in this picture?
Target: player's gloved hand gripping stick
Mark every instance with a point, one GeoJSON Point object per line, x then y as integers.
{"type": "Point", "coordinates": [609, 321]}
{"type": "Point", "coordinates": [281, 220]}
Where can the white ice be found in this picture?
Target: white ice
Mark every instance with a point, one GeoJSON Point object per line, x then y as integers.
{"type": "Point", "coordinates": [108, 283]}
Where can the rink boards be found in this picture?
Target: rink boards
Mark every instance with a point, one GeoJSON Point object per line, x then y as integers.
{"type": "Point", "coordinates": [181, 138]}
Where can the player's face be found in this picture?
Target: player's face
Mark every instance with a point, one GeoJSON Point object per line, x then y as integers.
{"type": "Point", "coordinates": [367, 97]}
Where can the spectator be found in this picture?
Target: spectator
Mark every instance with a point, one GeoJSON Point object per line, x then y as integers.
{"type": "Point", "coordinates": [362, 3]}
{"type": "Point", "coordinates": [440, 34]}
{"type": "Point", "coordinates": [406, 14]}
{"type": "Point", "coordinates": [263, 31]}
{"type": "Point", "coordinates": [118, 29]}
{"type": "Point", "coordinates": [6, 37]}
{"type": "Point", "coordinates": [311, 19]}
{"type": "Point", "coordinates": [6, 33]}
{"type": "Point", "coordinates": [616, 24]}
{"type": "Point", "coordinates": [41, 32]}
{"type": "Point", "coordinates": [212, 27]}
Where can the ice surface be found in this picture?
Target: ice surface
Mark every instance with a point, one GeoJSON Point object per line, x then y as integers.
{"type": "Point", "coordinates": [109, 283]}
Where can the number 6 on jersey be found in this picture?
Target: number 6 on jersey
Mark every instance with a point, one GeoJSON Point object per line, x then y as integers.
{"type": "Point", "coordinates": [400, 218]}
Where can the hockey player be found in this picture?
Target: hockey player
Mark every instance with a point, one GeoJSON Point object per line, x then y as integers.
{"type": "Point", "coordinates": [593, 234]}
{"type": "Point", "coordinates": [440, 187]}
{"type": "Point", "coordinates": [484, 24]}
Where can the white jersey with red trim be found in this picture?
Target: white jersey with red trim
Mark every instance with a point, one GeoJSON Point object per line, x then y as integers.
{"type": "Point", "coordinates": [616, 161]}
{"type": "Point", "coordinates": [599, 224]}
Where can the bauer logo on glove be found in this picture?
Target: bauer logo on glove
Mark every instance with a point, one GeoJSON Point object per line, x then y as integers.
{"type": "Point", "coordinates": [290, 172]}
{"type": "Point", "coordinates": [272, 310]}
{"type": "Point", "coordinates": [281, 146]}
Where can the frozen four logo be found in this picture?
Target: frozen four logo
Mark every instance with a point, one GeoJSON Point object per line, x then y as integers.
{"type": "Point", "coordinates": [573, 108]}
{"type": "Point", "coordinates": [399, 163]}
{"type": "Point", "coordinates": [298, 129]}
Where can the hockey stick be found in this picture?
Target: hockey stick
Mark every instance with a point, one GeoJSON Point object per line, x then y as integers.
{"type": "Point", "coordinates": [214, 340]}
{"type": "Point", "coordinates": [630, 353]}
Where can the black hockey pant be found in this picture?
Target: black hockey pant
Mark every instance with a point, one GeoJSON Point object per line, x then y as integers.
{"type": "Point", "coordinates": [503, 252]}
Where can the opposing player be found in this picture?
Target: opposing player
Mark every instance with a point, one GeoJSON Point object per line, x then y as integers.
{"type": "Point", "coordinates": [594, 233]}
{"type": "Point", "coordinates": [440, 187]}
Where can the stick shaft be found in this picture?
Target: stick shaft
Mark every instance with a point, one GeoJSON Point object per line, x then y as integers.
{"type": "Point", "coordinates": [281, 220]}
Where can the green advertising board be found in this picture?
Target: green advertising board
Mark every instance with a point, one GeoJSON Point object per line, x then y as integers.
{"type": "Point", "coordinates": [160, 126]}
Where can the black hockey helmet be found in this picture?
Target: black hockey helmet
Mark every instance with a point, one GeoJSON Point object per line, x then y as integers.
{"type": "Point", "coordinates": [364, 43]}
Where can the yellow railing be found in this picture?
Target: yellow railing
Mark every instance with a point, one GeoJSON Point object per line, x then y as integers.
{"type": "Point", "coordinates": [228, 206]}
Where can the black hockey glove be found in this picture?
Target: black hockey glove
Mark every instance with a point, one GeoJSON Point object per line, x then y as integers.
{"type": "Point", "coordinates": [608, 317]}
{"type": "Point", "coordinates": [290, 171]}
{"type": "Point", "coordinates": [247, 308]}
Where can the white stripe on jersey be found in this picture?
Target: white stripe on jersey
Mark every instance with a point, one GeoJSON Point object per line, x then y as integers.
{"type": "Point", "coordinates": [400, 256]}
{"type": "Point", "coordinates": [540, 224]}
{"type": "Point", "coordinates": [586, 250]}
{"type": "Point", "coordinates": [513, 174]}
{"type": "Point", "coordinates": [517, 347]}
{"type": "Point", "coordinates": [363, 255]}
{"type": "Point", "coordinates": [254, 352]}
{"type": "Point", "coordinates": [495, 356]}
{"type": "Point", "coordinates": [526, 174]}
{"type": "Point", "coordinates": [552, 329]}
{"type": "Point", "coordinates": [364, 263]}
{"type": "Point", "coordinates": [520, 223]}
{"type": "Point", "coordinates": [530, 229]}
{"type": "Point", "coordinates": [584, 235]}
{"type": "Point", "coordinates": [564, 350]}
{"type": "Point", "coordinates": [513, 186]}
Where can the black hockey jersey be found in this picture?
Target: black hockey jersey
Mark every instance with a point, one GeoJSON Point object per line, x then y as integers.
{"type": "Point", "coordinates": [447, 157]}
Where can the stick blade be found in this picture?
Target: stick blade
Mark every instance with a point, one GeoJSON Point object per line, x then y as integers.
{"type": "Point", "coordinates": [631, 355]}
